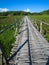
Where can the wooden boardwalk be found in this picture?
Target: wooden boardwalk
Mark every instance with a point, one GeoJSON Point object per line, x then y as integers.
{"type": "Point", "coordinates": [35, 51]}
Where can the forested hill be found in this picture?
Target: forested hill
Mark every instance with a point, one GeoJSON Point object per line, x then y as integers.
{"type": "Point", "coordinates": [22, 13]}
{"type": "Point", "coordinates": [45, 12]}
{"type": "Point", "coordinates": [14, 13]}
{"type": "Point", "coordinates": [41, 13]}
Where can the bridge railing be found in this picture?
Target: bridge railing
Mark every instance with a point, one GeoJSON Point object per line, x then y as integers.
{"type": "Point", "coordinates": [41, 25]}
{"type": "Point", "coordinates": [20, 47]}
{"type": "Point", "coordinates": [2, 51]}
{"type": "Point", "coordinates": [40, 22]}
{"type": "Point", "coordinates": [3, 57]}
{"type": "Point", "coordinates": [7, 27]}
{"type": "Point", "coordinates": [8, 60]}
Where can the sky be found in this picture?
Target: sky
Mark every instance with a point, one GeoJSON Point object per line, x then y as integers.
{"type": "Point", "coordinates": [24, 5]}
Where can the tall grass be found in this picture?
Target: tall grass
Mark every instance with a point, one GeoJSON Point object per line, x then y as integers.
{"type": "Point", "coordinates": [8, 37]}
{"type": "Point", "coordinates": [41, 18]}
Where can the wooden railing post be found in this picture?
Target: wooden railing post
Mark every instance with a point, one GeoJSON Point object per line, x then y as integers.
{"type": "Point", "coordinates": [0, 57]}
{"type": "Point", "coordinates": [40, 27]}
{"type": "Point", "coordinates": [3, 54]}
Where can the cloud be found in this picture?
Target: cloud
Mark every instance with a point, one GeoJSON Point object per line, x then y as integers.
{"type": "Point", "coordinates": [4, 9]}
{"type": "Point", "coordinates": [27, 10]}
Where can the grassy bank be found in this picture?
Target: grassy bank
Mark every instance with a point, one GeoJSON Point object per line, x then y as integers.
{"type": "Point", "coordinates": [41, 18]}
{"type": "Point", "coordinates": [8, 37]}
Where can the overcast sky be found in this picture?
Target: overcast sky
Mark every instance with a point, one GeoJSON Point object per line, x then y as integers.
{"type": "Point", "coordinates": [24, 5]}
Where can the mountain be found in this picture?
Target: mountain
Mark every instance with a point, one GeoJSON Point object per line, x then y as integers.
{"type": "Point", "coordinates": [23, 13]}
{"type": "Point", "coordinates": [45, 12]}
{"type": "Point", "coordinates": [14, 13]}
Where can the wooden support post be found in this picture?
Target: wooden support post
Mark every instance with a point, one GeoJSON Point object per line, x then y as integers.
{"type": "Point", "coordinates": [36, 25]}
{"type": "Point", "coordinates": [0, 57]}
{"type": "Point", "coordinates": [3, 54]}
{"type": "Point", "coordinates": [41, 27]}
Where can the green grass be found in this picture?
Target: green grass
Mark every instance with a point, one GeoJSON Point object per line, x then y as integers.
{"type": "Point", "coordinates": [8, 38]}
{"type": "Point", "coordinates": [7, 20]}
{"type": "Point", "coordinates": [41, 18]}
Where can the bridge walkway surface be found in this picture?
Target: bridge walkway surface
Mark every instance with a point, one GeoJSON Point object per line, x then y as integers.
{"type": "Point", "coordinates": [35, 48]}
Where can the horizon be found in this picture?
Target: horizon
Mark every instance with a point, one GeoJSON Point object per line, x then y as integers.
{"type": "Point", "coordinates": [24, 5]}
{"type": "Point", "coordinates": [22, 11]}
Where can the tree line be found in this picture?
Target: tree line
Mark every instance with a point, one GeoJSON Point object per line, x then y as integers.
{"type": "Point", "coordinates": [23, 13]}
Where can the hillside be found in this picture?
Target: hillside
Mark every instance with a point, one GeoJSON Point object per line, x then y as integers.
{"type": "Point", "coordinates": [22, 13]}
{"type": "Point", "coordinates": [45, 12]}
{"type": "Point", "coordinates": [14, 13]}
{"type": "Point", "coordinates": [41, 13]}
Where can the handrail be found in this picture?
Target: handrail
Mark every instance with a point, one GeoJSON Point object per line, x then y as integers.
{"type": "Point", "coordinates": [1, 46]}
{"type": "Point", "coordinates": [29, 52]}
{"type": "Point", "coordinates": [11, 57]}
{"type": "Point", "coordinates": [6, 28]}
{"type": "Point", "coordinates": [45, 23]}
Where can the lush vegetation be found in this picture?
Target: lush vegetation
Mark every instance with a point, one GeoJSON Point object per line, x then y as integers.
{"type": "Point", "coordinates": [7, 18]}
{"type": "Point", "coordinates": [14, 13]}
{"type": "Point", "coordinates": [41, 18]}
{"type": "Point", "coordinates": [8, 37]}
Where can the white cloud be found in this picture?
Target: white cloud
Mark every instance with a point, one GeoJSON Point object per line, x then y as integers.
{"type": "Point", "coordinates": [27, 10]}
{"type": "Point", "coordinates": [4, 9]}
